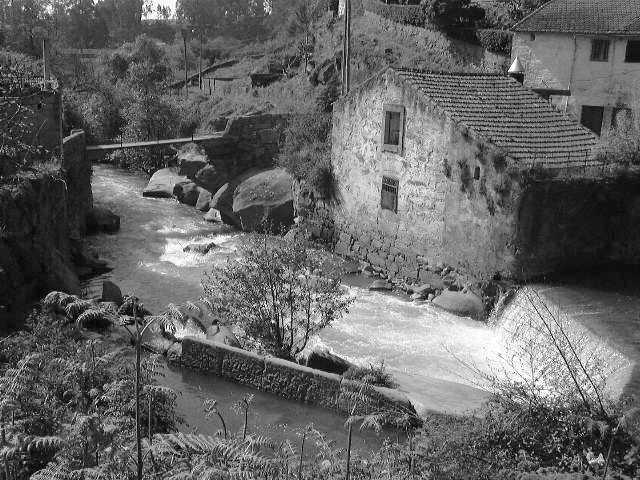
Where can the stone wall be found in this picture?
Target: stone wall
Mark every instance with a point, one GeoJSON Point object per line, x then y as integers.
{"type": "Point", "coordinates": [444, 216]}
{"type": "Point", "coordinates": [289, 380]}
{"type": "Point", "coordinates": [566, 225]}
{"type": "Point", "coordinates": [41, 214]}
{"type": "Point", "coordinates": [248, 142]}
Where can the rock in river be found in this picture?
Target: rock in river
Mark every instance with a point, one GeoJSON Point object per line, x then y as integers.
{"type": "Point", "coordinates": [264, 199]}
{"type": "Point", "coordinates": [210, 178]}
{"type": "Point", "coordinates": [381, 285]}
{"type": "Point", "coordinates": [462, 304]}
{"type": "Point", "coordinates": [204, 198]}
{"type": "Point", "coordinates": [191, 159]}
{"type": "Point", "coordinates": [162, 182]}
{"type": "Point", "coordinates": [187, 192]}
{"type": "Point", "coordinates": [100, 219]}
{"type": "Point", "coordinates": [202, 248]}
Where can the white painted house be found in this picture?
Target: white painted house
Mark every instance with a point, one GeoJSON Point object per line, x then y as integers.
{"type": "Point", "coordinates": [584, 55]}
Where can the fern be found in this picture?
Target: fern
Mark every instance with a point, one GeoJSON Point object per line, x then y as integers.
{"type": "Point", "coordinates": [75, 309]}
{"type": "Point", "coordinates": [53, 471]}
{"type": "Point", "coordinates": [174, 312]}
{"type": "Point", "coordinates": [40, 445]}
{"type": "Point", "coordinates": [93, 317]}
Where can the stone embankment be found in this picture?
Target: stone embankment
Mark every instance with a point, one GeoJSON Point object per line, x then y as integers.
{"type": "Point", "coordinates": [42, 221]}
{"type": "Point", "coordinates": [292, 381]}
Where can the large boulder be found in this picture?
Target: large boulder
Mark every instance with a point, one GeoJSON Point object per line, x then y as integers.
{"type": "Point", "coordinates": [162, 182]}
{"type": "Point", "coordinates": [222, 334]}
{"type": "Point", "coordinates": [204, 198]}
{"type": "Point", "coordinates": [213, 216]}
{"type": "Point", "coordinates": [326, 361]}
{"type": "Point", "coordinates": [464, 304]}
{"type": "Point", "coordinates": [222, 201]}
{"type": "Point", "coordinates": [263, 200]}
{"type": "Point", "coordinates": [187, 193]}
{"type": "Point", "coordinates": [190, 160]}
{"type": "Point", "coordinates": [100, 219]}
{"type": "Point", "coordinates": [210, 178]}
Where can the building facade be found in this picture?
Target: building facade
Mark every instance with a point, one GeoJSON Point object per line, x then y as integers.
{"type": "Point", "coordinates": [471, 171]}
{"type": "Point", "coordinates": [584, 55]}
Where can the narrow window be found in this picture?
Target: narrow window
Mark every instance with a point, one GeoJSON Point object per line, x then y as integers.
{"type": "Point", "coordinates": [389, 194]}
{"type": "Point", "coordinates": [592, 118]}
{"type": "Point", "coordinates": [532, 36]}
{"type": "Point", "coordinates": [633, 52]}
{"type": "Point", "coordinates": [393, 128]}
{"type": "Point", "coordinates": [600, 50]}
{"type": "Point", "coordinates": [476, 173]}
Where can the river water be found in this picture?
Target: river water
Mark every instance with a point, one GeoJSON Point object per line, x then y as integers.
{"type": "Point", "coordinates": [427, 350]}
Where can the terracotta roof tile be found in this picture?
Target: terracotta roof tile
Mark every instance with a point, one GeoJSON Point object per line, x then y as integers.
{"type": "Point", "coordinates": [584, 16]}
{"type": "Point", "coordinates": [501, 111]}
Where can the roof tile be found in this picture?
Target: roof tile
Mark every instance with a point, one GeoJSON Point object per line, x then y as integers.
{"type": "Point", "coordinates": [503, 112]}
{"type": "Point", "coordinates": [584, 16]}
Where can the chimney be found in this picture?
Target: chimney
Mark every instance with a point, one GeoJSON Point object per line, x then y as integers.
{"type": "Point", "coordinates": [516, 71]}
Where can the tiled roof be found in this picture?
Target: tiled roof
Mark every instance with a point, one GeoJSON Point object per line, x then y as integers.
{"type": "Point", "coordinates": [501, 111]}
{"type": "Point", "coordinates": [584, 16]}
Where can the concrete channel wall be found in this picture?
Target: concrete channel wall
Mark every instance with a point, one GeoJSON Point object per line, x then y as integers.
{"type": "Point", "coordinates": [292, 381]}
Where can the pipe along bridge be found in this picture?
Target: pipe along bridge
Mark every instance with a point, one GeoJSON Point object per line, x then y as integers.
{"type": "Point", "coordinates": [95, 152]}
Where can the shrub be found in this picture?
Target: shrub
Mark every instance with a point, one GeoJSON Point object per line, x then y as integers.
{"type": "Point", "coordinates": [276, 294]}
{"type": "Point", "coordinates": [496, 41]}
{"type": "Point", "coordinates": [404, 14]}
{"type": "Point", "coordinates": [621, 145]}
{"type": "Point", "coordinates": [376, 375]}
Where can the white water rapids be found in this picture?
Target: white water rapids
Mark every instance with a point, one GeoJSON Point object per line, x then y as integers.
{"type": "Point", "coordinates": [426, 349]}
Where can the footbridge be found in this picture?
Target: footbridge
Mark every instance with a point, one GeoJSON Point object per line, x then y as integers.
{"type": "Point", "coordinates": [95, 152]}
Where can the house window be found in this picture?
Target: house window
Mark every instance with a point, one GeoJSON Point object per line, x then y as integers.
{"type": "Point", "coordinates": [599, 50]}
{"type": "Point", "coordinates": [592, 118]}
{"type": "Point", "coordinates": [389, 194]}
{"type": "Point", "coordinates": [393, 128]}
{"type": "Point", "coordinates": [633, 52]}
{"type": "Point", "coordinates": [476, 173]}
{"type": "Point", "coordinates": [532, 36]}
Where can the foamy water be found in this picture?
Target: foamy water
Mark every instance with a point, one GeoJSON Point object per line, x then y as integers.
{"type": "Point", "coordinates": [432, 354]}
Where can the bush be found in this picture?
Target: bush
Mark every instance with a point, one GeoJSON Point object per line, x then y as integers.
{"type": "Point", "coordinates": [621, 145]}
{"type": "Point", "coordinates": [276, 294]}
{"type": "Point", "coordinates": [375, 375]}
{"type": "Point", "coordinates": [404, 14]}
{"type": "Point", "coordinates": [496, 41]}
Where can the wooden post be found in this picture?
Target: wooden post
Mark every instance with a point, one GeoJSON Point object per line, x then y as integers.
{"type": "Point", "coordinates": [44, 61]}
{"type": "Point", "coordinates": [346, 47]}
{"type": "Point", "coordinates": [200, 62]}
{"type": "Point", "coordinates": [186, 68]}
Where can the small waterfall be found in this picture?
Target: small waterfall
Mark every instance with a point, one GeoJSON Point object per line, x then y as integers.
{"type": "Point", "coordinates": [550, 350]}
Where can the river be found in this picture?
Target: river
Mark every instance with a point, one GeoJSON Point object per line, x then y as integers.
{"type": "Point", "coordinates": [427, 350]}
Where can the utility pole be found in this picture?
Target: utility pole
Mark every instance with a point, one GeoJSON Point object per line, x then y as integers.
{"type": "Point", "coordinates": [346, 48]}
{"type": "Point", "coordinates": [44, 61]}
{"type": "Point", "coordinates": [186, 68]}
{"type": "Point", "coordinates": [200, 60]}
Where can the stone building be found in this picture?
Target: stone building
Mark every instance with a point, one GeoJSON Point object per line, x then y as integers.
{"type": "Point", "coordinates": [472, 171]}
{"type": "Point", "coordinates": [584, 55]}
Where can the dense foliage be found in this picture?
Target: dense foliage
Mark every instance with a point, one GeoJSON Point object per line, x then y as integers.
{"type": "Point", "coordinates": [405, 14]}
{"type": "Point", "coordinates": [278, 292]}
{"type": "Point", "coordinates": [496, 41]}
{"type": "Point", "coordinates": [620, 145]}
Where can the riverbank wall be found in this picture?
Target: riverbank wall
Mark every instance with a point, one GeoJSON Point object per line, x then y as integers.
{"type": "Point", "coordinates": [42, 220]}
{"type": "Point", "coordinates": [292, 381]}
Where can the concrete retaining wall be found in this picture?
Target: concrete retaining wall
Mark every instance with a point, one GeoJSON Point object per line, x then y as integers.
{"type": "Point", "coordinates": [290, 380]}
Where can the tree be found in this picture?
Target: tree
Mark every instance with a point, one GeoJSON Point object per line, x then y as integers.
{"type": "Point", "coordinates": [123, 17]}
{"type": "Point", "coordinates": [505, 13]}
{"type": "Point", "coordinates": [621, 145]}
{"type": "Point", "coordinates": [277, 294]}
{"type": "Point", "coordinates": [453, 14]}
{"type": "Point", "coordinates": [86, 27]}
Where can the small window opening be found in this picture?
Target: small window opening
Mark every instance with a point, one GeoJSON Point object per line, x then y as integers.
{"type": "Point", "coordinates": [592, 117]}
{"type": "Point", "coordinates": [533, 37]}
{"type": "Point", "coordinates": [389, 194]}
{"type": "Point", "coordinates": [476, 173]}
{"type": "Point", "coordinates": [633, 52]}
{"type": "Point", "coordinates": [600, 50]}
{"type": "Point", "coordinates": [393, 128]}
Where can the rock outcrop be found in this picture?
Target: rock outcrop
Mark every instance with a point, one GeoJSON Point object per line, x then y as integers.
{"type": "Point", "coordinates": [204, 199]}
{"type": "Point", "coordinates": [264, 200]}
{"type": "Point", "coordinates": [210, 178]}
{"type": "Point", "coordinates": [190, 160]}
{"type": "Point", "coordinates": [464, 304]}
{"type": "Point", "coordinates": [100, 219]}
{"type": "Point", "coordinates": [162, 183]}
